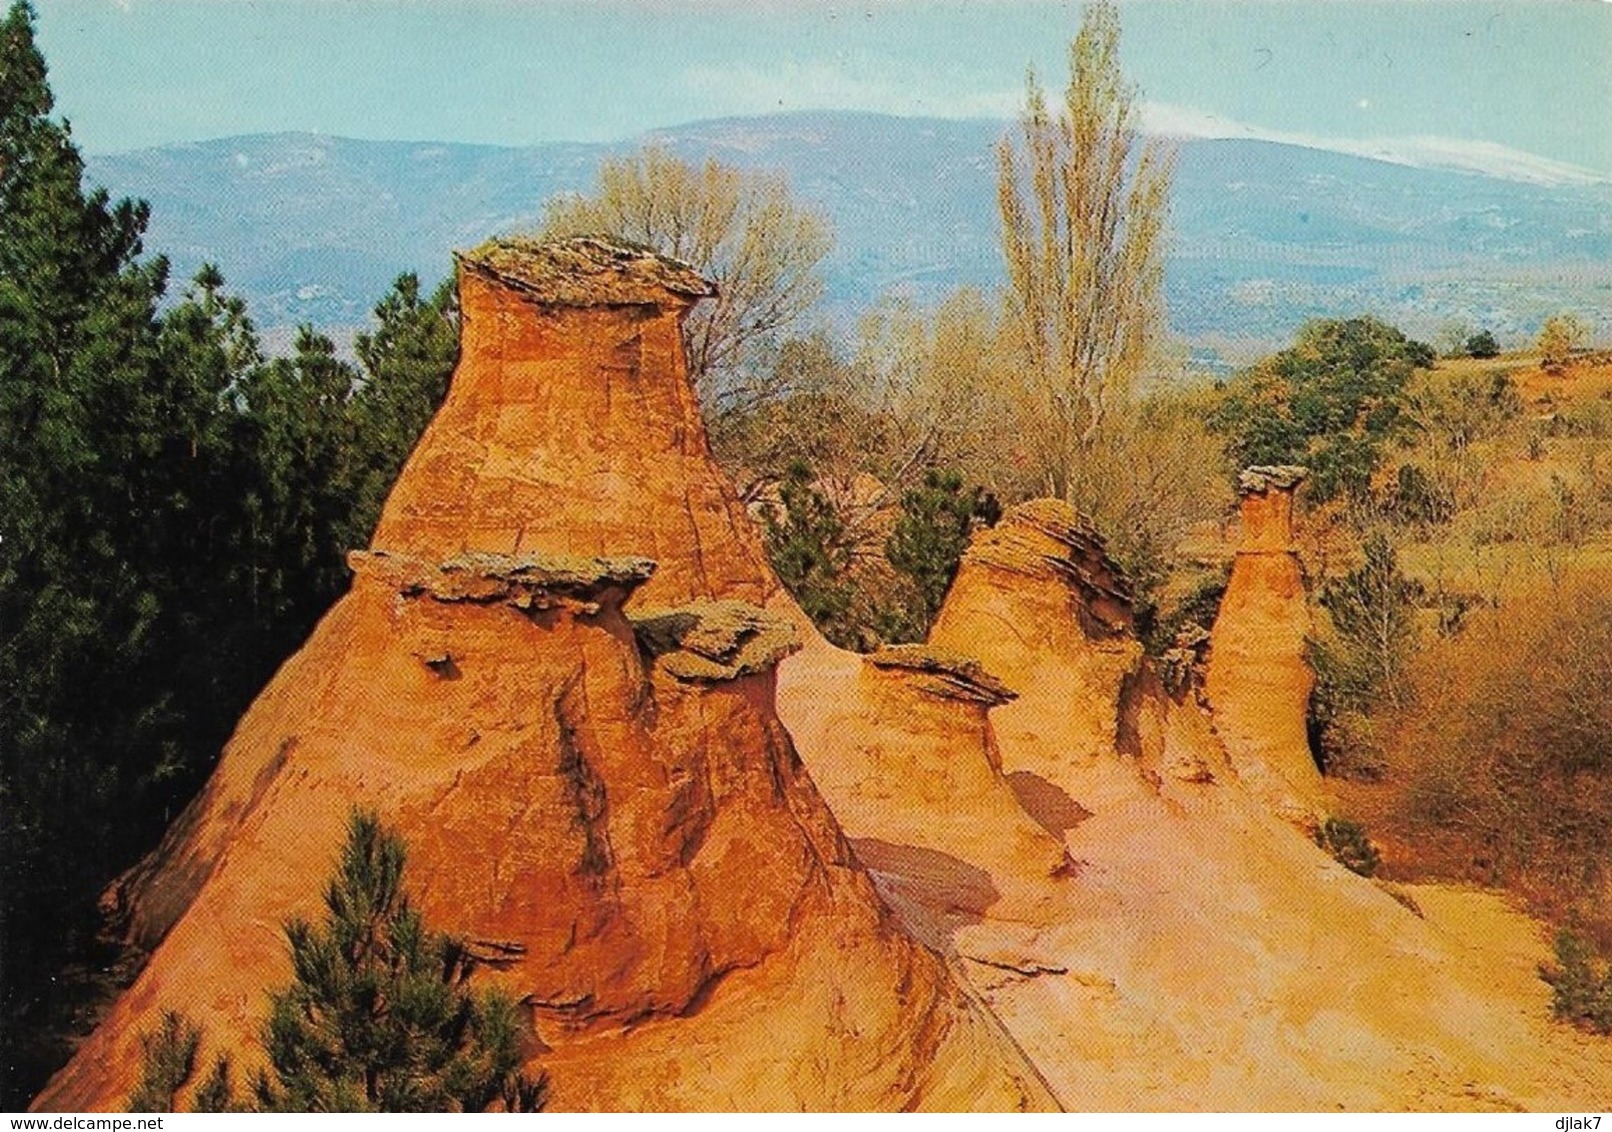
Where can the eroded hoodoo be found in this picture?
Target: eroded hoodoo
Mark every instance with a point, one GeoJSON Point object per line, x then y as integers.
{"type": "Point", "coordinates": [1259, 678]}
{"type": "Point", "coordinates": [604, 805]}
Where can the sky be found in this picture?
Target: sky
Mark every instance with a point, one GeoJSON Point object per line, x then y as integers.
{"type": "Point", "coordinates": [1519, 84]}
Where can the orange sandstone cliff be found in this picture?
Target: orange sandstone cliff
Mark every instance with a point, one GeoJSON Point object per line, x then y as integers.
{"type": "Point", "coordinates": [572, 426]}
{"type": "Point", "coordinates": [1195, 951]}
{"type": "Point", "coordinates": [601, 801]}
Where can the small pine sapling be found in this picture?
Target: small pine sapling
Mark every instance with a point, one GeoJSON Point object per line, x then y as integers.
{"type": "Point", "coordinates": [380, 1017]}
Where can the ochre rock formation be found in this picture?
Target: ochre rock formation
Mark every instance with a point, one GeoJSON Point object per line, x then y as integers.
{"type": "Point", "coordinates": [605, 807]}
{"type": "Point", "coordinates": [1259, 678]}
{"type": "Point", "coordinates": [573, 428]}
{"type": "Point", "coordinates": [1197, 952]}
{"type": "Point", "coordinates": [584, 756]}
{"type": "Point", "coordinates": [903, 745]}
{"type": "Point", "coordinates": [1037, 600]}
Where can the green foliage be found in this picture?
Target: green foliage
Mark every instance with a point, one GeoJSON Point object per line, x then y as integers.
{"type": "Point", "coordinates": [1373, 609]}
{"type": "Point", "coordinates": [169, 1059]}
{"type": "Point", "coordinates": [174, 515]}
{"type": "Point", "coordinates": [319, 444]}
{"type": "Point", "coordinates": [932, 533]}
{"type": "Point", "coordinates": [1417, 500]}
{"type": "Point", "coordinates": [106, 457]}
{"type": "Point", "coordinates": [379, 1018]}
{"type": "Point", "coordinates": [168, 1062]}
{"type": "Point", "coordinates": [1482, 345]}
{"type": "Point", "coordinates": [407, 362]}
{"type": "Point", "coordinates": [1346, 840]}
{"type": "Point", "coordinates": [1333, 401]}
{"type": "Point", "coordinates": [808, 549]}
{"type": "Point", "coordinates": [1198, 606]}
{"type": "Point", "coordinates": [217, 1092]}
{"type": "Point", "coordinates": [1362, 663]}
{"type": "Point", "coordinates": [1581, 984]}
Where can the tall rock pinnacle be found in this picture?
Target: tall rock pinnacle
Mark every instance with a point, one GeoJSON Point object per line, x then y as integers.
{"type": "Point", "coordinates": [571, 426]}
{"type": "Point", "coordinates": [1259, 678]}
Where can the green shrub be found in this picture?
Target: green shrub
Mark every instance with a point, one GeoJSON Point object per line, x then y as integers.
{"type": "Point", "coordinates": [1350, 747]}
{"type": "Point", "coordinates": [1332, 401]}
{"type": "Point", "coordinates": [932, 533]}
{"type": "Point", "coordinates": [1373, 609]}
{"type": "Point", "coordinates": [1482, 345]}
{"type": "Point", "coordinates": [809, 549]}
{"type": "Point", "coordinates": [168, 1060]}
{"type": "Point", "coordinates": [1199, 606]}
{"type": "Point", "coordinates": [1417, 500]}
{"type": "Point", "coordinates": [1581, 984]}
{"type": "Point", "coordinates": [1346, 840]}
{"type": "Point", "coordinates": [217, 1093]}
{"type": "Point", "coordinates": [379, 1018]}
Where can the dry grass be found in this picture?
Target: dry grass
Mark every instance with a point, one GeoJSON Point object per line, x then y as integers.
{"type": "Point", "coordinates": [1499, 770]}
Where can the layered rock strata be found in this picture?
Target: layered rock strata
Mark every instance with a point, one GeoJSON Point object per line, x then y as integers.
{"type": "Point", "coordinates": [904, 746]}
{"type": "Point", "coordinates": [1197, 952]}
{"type": "Point", "coordinates": [1038, 601]}
{"type": "Point", "coordinates": [599, 796]}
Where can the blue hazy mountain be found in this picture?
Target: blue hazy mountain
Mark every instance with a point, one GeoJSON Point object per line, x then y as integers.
{"type": "Point", "coordinates": [313, 228]}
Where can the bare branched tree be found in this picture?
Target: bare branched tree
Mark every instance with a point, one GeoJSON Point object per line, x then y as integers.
{"type": "Point", "coordinates": [1083, 210]}
{"type": "Point", "coordinates": [743, 230]}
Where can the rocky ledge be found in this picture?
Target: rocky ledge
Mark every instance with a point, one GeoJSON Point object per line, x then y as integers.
{"type": "Point", "coordinates": [1047, 537]}
{"type": "Point", "coordinates": [527, 582]}
{"type": "Point", "coordinates": [1263, 478]}
{"type": "Point", "coordinates": [943, 673]}
{"type": "Point", "coordinates": [586, 271]}
{"type": "Point", "coordinates": [710, 641]}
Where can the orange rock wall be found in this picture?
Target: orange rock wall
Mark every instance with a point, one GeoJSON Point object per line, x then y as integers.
{"type": "Point", "coordinates": [644, 857]}
{"type": "Point", "coordinates": [1015, 606]}
{"type": "Point", "coordinates": [575, 430]}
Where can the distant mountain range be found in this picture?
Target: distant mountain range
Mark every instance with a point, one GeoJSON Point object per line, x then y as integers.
{"type": "Point", "coordinates": [313, 228]}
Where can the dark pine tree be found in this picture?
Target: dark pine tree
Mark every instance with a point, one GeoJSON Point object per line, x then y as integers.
{"type": "Point", "coordinates": [379, 1017]}
{"type": "Point", "coordinates": [174, 516]}
{"type": "Point", "coordinates": [104, 455]}
{"type": "Point", "coordinates": [932, 533]}
{"type": "Point", "coordinates": [407, 361]}
{"type": "Point", "coordinates": [808, 548]}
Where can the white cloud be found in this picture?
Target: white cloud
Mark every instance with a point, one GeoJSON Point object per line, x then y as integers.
{"type": "Point", "coordinates": [1426, 152]}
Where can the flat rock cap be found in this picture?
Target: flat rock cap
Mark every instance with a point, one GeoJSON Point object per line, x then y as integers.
{"type": "Point", "coordinates": [533, 581]}
{"type": "Point", "coordinates": [587, 271]}
{"type": "Point", "coordinates": [1262, 478]}
{"type": "Point", "coordinates": [710, 641]}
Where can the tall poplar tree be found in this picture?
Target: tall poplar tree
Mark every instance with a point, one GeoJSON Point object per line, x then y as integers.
{"type": "Point", "coordinates": [1083, 208]}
